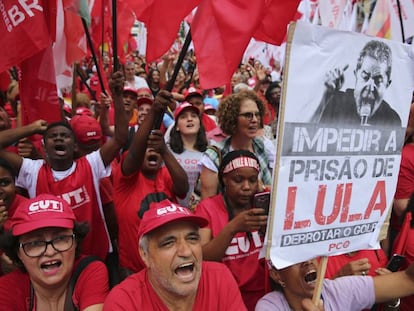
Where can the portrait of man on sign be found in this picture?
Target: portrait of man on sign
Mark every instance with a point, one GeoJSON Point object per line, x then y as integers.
{"type": "Point", "coordinates": [365, 104]}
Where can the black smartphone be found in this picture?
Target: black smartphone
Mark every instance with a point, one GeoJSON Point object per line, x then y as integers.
{"type": "Point", "coordinates": [395, 262]}
{"type": "Point", "coordinates": [262, 200]}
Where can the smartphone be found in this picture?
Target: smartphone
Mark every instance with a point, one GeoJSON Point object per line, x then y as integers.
{"type": "Point", "coordinates": [395, 262]}
{"type": "Point", "coordinates": [262, 200]}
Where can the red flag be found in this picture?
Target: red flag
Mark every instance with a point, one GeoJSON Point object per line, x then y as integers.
{"type": "Point", "coordinates": [162, 19]}
{"type": "Point", "coordinates": [70, 44]}
{"type": "Point", "coordinates": [38, 93]}
{"type": "Point", "coordinates": [125, 21]}
{"type": "Point", "coordinates": [222, 29]}
{"type": "Point", "coordinates": [273, 25]}
{"type": "Point", "coordinates": [23, 33]}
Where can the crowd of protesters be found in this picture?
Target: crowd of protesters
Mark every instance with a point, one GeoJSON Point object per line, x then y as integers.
{"type": "Point", "coordinates": [151, 182]}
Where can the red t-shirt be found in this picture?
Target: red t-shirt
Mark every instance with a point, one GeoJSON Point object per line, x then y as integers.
{"type": "Point", "coordinates": [217, 291]}
{"type": "Point", "coordinates": [241, 256]}
{"type": "Point", "coordinates": [377, 259]}
{"type": "Point", "coordinates": [270, 114]}
{"type": "Point", "coordinates": [79, 191]}
{"type": "Point", "coordinates": [91, 288]}
{"type": "Point", "coordinates": [129, 194]}
{"type": "Point", "coordinates": [106, 190]}
{"type": "Point", "coordinates": [405, 184]}
{"type": "Point", "coordinates": [404, 245]}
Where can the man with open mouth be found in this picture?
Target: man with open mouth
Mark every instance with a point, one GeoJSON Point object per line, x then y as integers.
{"type": "Point", "coordinates": [175, 277]}
{"type": "Point", "coordinates": [363, 105]}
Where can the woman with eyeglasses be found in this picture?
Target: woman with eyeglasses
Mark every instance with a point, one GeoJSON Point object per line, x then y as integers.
{"type": "Point", "coordinates": [43, 240]}
{"type": "Point", "coordinates": [240, 116]}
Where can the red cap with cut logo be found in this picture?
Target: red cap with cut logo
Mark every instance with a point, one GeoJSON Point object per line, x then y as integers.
{"type": "Point", "coordinates": [161, 213]}
{"type": "Point", "coordinates": [86, 129]}
{"type": "Point", "coordinates": [43, 211]}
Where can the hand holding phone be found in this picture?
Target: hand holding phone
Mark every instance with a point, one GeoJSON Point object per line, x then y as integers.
{"type": "Point", "coordinates": [262, 200]}
{"type": "Point", "coordinates": [395, 262]}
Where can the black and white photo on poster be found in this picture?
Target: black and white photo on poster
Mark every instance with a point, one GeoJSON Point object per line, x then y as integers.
{"type": "Point", "coordinates": [345, 105]}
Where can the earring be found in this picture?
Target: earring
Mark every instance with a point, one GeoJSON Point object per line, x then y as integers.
{"type": "Point", "coordinates": [283, 284]}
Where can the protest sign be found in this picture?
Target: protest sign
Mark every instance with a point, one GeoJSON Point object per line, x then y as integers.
{"type": "Point", "coordinates": [345, 105]}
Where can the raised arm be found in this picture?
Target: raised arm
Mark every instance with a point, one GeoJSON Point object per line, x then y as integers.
{"type": "Point", "coordinates": [394, 285]}
{"type": "Point", "coordinates": [209, 182]}
{"type": "Point", "coordinates": [11, 136]}
{"type": "Point", "coordinates": [111, 148]}
{"type": "Point", "coordinates": [334, 81]}
{"type": "Point", "coordinates": [104, 103]}
{"type": "Point", "coordinates": [178, 174]}
{"type": "Point", "coordinates": [136, 152]}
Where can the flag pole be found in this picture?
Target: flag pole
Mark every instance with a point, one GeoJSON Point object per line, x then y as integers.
{"type": "Point", "coordinates": [95, 60]}
{"type": "Point", "coordinates": [180, 60]}
{"type": "Point", "coordinates": [84, 82]}
{"type": "Point", "coordinates": [401, 21]}
{"type": "Point", "coordinates": [114, 36]}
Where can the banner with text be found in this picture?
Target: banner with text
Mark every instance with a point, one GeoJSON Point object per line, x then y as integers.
{"type": "Point", "coordinates": [346, 100]}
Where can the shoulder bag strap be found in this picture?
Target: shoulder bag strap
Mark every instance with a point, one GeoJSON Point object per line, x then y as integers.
{"type": "Point", "coordinates": [83, 263]}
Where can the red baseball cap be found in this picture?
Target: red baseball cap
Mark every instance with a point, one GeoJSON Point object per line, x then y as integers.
{"type": "Point", "coordinates": [130, 90]}
{"type": "Point", "coordinates": [144, 100]}
{"type": "Point", "coordinates": [85, 128]}
{"type": "Point", "coordinates": [45, 210]}
{"type": "Point", "coordinates": [164, 212]}
{"type": "Point", "coordinates": [192, 91]}
{"type": "Point", "coordinates": [144, 90]}
{"type": "Point", "coordinates": [185, 105]}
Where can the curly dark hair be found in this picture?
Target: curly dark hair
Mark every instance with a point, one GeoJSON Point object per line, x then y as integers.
{"type": "Point", "coordinates": [176, 142]}
{"type": "Point", "coordinates": [229, 109]}
{"type": "Point", "coordinates": [9, 243]}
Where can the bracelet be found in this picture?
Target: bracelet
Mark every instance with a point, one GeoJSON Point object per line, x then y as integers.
{"type": "Point", "coordinates": [396, 303]}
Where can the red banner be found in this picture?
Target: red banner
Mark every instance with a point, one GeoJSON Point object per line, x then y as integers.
{"type": "Point", "coordinates": [23, 31]}
{"type": "Point", "coordinates": [38, 93]}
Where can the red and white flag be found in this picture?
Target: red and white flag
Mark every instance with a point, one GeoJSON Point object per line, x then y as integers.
{"type": "Point", "coordinates": [23, 31]}
{"type": "Point", "coordinates": [331, 12]}
{"type": "Point", "coordinates": [70, 45]}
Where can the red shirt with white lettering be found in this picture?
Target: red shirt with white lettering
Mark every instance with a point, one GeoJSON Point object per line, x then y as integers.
{"type": "Point", "coordinates": [217, 291]}
{"type": "Point", "coordinates": [80, 188]}
{"type": "Point", "coordinates": [241, 256]}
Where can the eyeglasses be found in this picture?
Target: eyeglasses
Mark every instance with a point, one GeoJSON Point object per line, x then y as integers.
{"type": "Point", "coordinates": [249, 115]}
{"type": "Point", "coordinates": [37, 248]}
